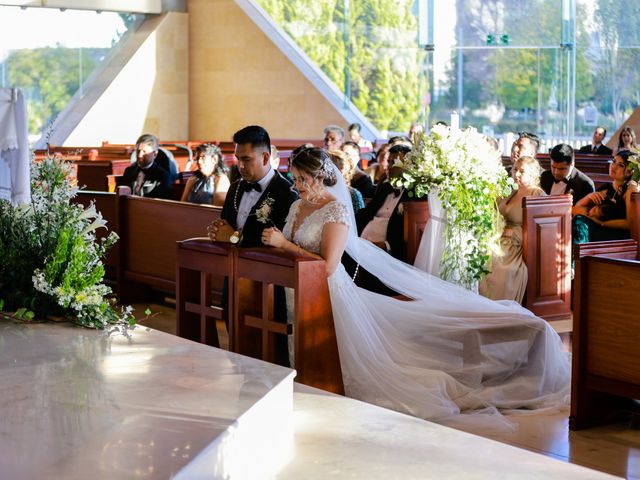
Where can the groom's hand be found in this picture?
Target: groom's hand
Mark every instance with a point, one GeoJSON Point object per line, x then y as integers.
{"type": "Point", "coordinates": [220, 231]}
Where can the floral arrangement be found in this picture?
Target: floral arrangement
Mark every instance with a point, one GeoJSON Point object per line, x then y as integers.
{"type": "Point", "coordinates": [51, 259]}
{"type": "Point", "coordinates": [466, 172]}
{"type": "Point", "coordinates": [263, 212]}
{"type": "Point", "coordinates": [634, 166]}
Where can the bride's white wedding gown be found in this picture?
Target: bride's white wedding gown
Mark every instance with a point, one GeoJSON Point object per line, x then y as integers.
{"type": "Point", "coordinates": [448, 351]}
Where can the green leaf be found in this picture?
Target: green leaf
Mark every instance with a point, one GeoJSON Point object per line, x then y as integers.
{"type": "Point", "coordinates": [1, 303]}
{"type": "Point", "coordinates": [147, 312]}
{"type": "Point", "coordinates": [20, 312]}
{"type": "Point", "coordinates": [29, 315]}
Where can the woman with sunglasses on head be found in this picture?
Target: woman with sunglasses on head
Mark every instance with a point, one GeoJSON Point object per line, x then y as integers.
{"type": "Point", "coordinates": [604, 214]}
{"type": "Point", "coordinates": [210, 183]}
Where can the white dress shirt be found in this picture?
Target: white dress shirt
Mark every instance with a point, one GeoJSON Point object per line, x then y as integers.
{"type": "Point", "coordinates": [376, 229]}
{"type": "Point", "coordinates": [250, 198]}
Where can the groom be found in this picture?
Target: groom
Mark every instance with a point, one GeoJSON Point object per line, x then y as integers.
{"type": "Point", "coordinates": [259, 200]}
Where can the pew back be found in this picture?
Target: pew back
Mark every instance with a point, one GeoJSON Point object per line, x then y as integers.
{"type": "Point", "coordinates": [546, 250]}
{"type": "Point", "coordinates": [149, 230]}
{"type": "Point", "coordinates": [606, 338]}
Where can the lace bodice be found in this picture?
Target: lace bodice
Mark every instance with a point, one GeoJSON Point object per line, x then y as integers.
{"type": "Point", "coordinates": [309, 232]}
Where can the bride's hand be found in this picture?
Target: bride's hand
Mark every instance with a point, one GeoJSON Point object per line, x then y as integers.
{"type": "Point", "coordinates": [273, 237]}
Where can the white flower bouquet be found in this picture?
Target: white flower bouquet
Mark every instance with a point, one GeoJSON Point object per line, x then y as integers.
{"type": "Point", "coordinates": [467, 174]}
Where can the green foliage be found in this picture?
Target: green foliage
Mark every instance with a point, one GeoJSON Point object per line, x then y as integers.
{"type": "Point", "coordinates": [49, 77]}
{"type": "Point", "coordinates": [51, 257]}
{"type": "Point", "coordinates": [380, 43]}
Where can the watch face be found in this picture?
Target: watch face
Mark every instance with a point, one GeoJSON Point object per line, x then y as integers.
{"type": "Point", "coordinates": [235, 238]}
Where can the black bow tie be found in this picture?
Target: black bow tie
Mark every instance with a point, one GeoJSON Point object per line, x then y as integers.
{"type": "Point", "coordinates": [558, 181]}
{"type": "Point", "coordinates": [248, 186]}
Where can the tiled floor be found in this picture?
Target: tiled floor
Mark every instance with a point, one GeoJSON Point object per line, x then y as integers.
{"type": "Point", "coordinates": [614, 449]}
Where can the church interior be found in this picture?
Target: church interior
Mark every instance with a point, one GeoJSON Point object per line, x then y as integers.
{"type": "Point", "coordinates": [196, 388]}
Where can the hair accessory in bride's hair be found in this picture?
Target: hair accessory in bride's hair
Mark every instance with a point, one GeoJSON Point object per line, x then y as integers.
{"type": "Point", "coordinates": [326, 168]}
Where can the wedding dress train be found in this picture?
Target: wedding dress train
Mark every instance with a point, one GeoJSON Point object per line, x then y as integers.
{"type": "Point", "coordinates": [446, 352]}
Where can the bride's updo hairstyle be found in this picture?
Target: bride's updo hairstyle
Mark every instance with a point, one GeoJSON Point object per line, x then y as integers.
{"type": "Point", "coordinates": [316, 163]}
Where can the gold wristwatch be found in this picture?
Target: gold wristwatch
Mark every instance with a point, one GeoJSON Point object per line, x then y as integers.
{"type": "Point", "coordinates": [235, 237]}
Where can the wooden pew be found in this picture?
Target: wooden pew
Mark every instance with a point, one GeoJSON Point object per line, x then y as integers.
{"type": "Point", "coordinates": [415, 216]}
{"type": "Point", "coordinates": [546, 249]}
{"type": "Point", "coordinates": [606, 339]}
{"type": "Point", "coordinates": [149, 229]}
{"type": "Point", "coordinates": [105, 203]}
{"type": "Point", "coordinates": [200, 270]}
{"type": "Point", "coordinates": [257, 271]}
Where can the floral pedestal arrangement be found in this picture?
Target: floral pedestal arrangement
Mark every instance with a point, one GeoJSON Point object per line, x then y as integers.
{"type": "Point", "coordinates": [464, 173]}
{"type": "Point", "coordinates": [51, 259]}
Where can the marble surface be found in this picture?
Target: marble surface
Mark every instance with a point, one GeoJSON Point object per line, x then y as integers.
{"type": "Point", "coordinates": [78, 403]}
{"type": "Point", "coordinates": [336, 437]}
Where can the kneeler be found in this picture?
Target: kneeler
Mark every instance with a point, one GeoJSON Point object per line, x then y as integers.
{"type": "Point", "coordinates": [202, 265]}
{"type": "Point", "coordinates": [260, 320]}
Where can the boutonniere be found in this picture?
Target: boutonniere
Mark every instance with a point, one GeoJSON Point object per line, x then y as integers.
{"type": "Point", "coordinates": [263, 212]}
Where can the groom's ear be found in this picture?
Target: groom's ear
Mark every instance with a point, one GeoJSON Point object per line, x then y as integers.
{"type": "Point", "coordinates": [266, 156]}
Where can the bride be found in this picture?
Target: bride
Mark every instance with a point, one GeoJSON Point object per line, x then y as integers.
{"type": "Point", "coordinates": [443, 352]}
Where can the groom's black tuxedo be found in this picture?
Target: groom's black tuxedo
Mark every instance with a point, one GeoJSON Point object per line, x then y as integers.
{"type": "Point", "coordinates": [279, 189]}
{"type": "Point", "coordinates": [577, 184]}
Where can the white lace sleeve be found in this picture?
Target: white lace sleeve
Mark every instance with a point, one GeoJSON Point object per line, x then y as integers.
{"type": "Point", "coordinates": [336, 212]}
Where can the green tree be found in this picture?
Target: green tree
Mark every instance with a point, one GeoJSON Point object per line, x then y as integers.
{"type": "Point", "coordinates": [384, 62]}
{"type": "Point", "coordinates": [49, 78]}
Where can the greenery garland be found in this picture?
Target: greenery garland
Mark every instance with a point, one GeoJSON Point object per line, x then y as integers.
{"type": "Point", "coordinates": [467, 174]}
{"type": "Point", "coordinates": [51, 259]}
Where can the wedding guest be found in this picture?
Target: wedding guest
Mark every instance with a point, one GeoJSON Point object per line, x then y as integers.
{"type": "Point", "coordinates": [526, 145]}
{"type": "Point", "coordinates": [604, 214]}
{"type": "Point", "coordinates": [163, 157]}
{"type": "Point", "coordinates": [146, 177]}
{"type": "Point", "coordinates": [597, 147]}
{"type": "Point", "coordinates": [333, 137]}
{"type": "Point", "coordinates": [627, 140]}
{"type": "Point", "coordinates": [415, 130]}
{"type": "Point", "coordinates": [210, 183]}
{"type": "Point", "coordinates": [378, 171]}
{"type": "Point", "coordinates": [508, 277]}
{"type": "Point", "coordinates": [563, 177]}
{"type": "Point", "coordinates": [356, 137]}
{"type": "Point", "coordinates": [343, 162]}
{"type": "Point", "coordinates": [359, 180]}
{"type": "Point", "coordinates": [381, 221]}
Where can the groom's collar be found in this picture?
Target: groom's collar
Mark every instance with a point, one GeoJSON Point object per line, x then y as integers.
{"type": "Point", "coordinates": [264, 181]}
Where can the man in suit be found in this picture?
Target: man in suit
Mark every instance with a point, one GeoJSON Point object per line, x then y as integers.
{"type": "Point", "coordinates": [596, 147]}
{"type": "Point", "coordinates": [146, 177]}
{"type": "Point", "coordinates": [381, 221]}
{"type": "Point", "coordinates": [260, 199]}
{"type": "Point", "coordinates": [563, 178]}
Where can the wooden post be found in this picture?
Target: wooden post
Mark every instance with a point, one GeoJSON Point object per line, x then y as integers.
{"type": "Point", "coordinates": [416, 217]}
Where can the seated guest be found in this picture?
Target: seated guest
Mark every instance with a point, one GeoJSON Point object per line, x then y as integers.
{"type": "Point", "coordinates": [396, 153]}
{"type": "Point", "coordinates": [604, 214]}
{"type": "Point", "coordinates": [508, 277]}
{"type": "Point", "coordinates": [563, 177]}
{"type": "Point", "coordinates": [356, 137]}
{"type": "Point", "coordinates": [415, 130]}
{"type": "Point", "coordinates": [333, 137]}
{"type": "Point", "coordinates": [146, 177]}
{"type": "Point", "coordinates": [596, 147]}
{"type": "Point", "coordinates": [627, 140]}
{"type": "Point", "coordinates": [381, 221]}
{"type": "Point", "coordinates": [378, 170]}
{"type": "Point", "coordinates": [359, 180]}
{"type": "Point", "coordinates": [210, 183]}
{"type": "Point", "coordinates": [526, 145]}
{"type": "Point", "coordinates": [343, 162]}
{"type": "Point", "coordinates": [164, 158]}
{"type": "Point", "coordinates": [398, 139]}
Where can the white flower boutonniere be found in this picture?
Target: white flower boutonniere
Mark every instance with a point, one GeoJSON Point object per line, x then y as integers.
{"type": "Point", "coordinates": [263, 212]}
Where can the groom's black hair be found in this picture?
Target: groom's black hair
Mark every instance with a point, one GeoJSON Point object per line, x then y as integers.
{"type": "Point", "coordinates": [255, 135]}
